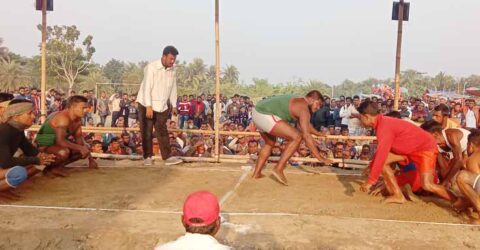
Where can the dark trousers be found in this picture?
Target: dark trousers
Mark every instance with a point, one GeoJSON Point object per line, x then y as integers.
{"type": "Point", "coordinates": [115, 115]}
{"type": "Point", "coordinates": [159, 121]}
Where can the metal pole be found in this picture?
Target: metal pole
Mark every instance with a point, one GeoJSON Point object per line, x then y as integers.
{"type": "Point", "coordinates": [217, 83]}
{"type": "Point", "coordinates": [43, 82]}
{"type": "Point", "coordinates": [398, 55]}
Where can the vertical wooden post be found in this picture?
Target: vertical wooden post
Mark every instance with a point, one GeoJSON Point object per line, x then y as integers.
{"type": "Point", "coordinates": [217, 83]}
{"type": "Point", "coordinates": [43, 82]}
{"type": "Point", "coordinates": [398, 56]}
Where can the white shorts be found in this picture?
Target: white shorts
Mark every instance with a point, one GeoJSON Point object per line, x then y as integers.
{"type": "Point", "coordinates": [263, 122]}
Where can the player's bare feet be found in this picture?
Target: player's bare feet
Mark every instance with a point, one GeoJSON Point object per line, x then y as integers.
{"type": "Point", "coordinates": [409, 193]}
{"type": "Point", "coordinates": [397, 199]}
{"type": "Point", "coordinates": [257, 176]}
{"type": "Point", "coordinates": [280, 176]}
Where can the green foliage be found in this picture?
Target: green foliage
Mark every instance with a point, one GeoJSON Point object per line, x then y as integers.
{"type": "Point", "coordinates": [67, 59]}
{"type": "Point", "coordinates": [114, 70]}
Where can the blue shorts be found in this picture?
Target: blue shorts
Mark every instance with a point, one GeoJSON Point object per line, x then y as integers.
{"type": "Point", "coordinates": [15, 176]}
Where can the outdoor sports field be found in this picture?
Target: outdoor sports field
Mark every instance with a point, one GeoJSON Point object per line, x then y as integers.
{"type": "Point", "coordinates": [123, 206]}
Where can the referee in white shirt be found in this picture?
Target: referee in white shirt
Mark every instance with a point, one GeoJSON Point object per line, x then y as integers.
{"type": "Point", "coordinates": [158, 87]}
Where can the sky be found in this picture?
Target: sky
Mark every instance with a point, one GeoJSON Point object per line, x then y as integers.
{"type": "Point", "coordinates": [274, 39]}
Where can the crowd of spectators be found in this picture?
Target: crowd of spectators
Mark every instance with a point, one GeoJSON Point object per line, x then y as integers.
{"type": "Point", "coordinates": [337, 116]}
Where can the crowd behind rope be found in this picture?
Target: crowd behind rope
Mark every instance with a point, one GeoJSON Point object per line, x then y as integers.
{"type": "Point", "coordinates": [337, 116]}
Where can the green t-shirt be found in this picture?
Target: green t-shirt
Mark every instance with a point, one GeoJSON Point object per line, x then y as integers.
{"type": "Point", "coordinates": [276, 105]}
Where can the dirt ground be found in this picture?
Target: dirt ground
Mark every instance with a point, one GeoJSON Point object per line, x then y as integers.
{"type": "Point", "coordinates": [120, 207]}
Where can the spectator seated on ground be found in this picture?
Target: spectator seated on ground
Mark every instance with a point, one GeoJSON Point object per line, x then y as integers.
{"type": "Point", "coordinates": [175, 150]}
{"type": "Point", "coordinates": [17, 117]}
{"type": "Point", "coordinates": [127, 144]}
{"type": "Point", "coordinates": [339, 151]}
{"type": "Point", "coordinates": [201, 221]}
{"type": "Point", "coordinates": [365, 153]}
{"type": "Point", "coordinates": [115, 147]}
{"type": "Point", "coordinates": [253, 147]}
{"type": "Point", "coordinates": [97, 147]}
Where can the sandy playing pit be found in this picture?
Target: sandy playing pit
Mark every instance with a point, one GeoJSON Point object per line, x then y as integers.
{"type": "Point", "coordinates": [129, 207]}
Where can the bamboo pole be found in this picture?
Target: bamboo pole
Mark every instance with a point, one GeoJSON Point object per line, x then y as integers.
{"type": "Point", "coordinates": [398, 56]}
{"type": "Point", "coordinates": [217, 81]}
{"type": "Point", "coordinates": [35, 128]}
{"type": "Point", "coordinates": [43, 81]}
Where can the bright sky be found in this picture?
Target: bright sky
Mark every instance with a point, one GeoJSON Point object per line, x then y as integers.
{"type": "Point", "coordinates": [275, 39]}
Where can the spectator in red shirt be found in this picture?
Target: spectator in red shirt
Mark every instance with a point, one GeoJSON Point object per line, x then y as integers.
{"type": "Point", "coordinates": [199, 112]}
{"type": "Point", "coordinates": [184, 108]}
{"type": "Point", "coordinates": [399, 142]}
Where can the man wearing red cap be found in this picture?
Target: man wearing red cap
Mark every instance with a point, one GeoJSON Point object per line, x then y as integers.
{"type": "Point", "coordinates": [201, 221]}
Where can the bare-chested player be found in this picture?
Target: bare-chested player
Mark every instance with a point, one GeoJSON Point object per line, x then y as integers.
{"type": "Point", "coordinates": [61, 135]}
{"type": "Point", "coordinates": [272, 117]}
{"type": "Point", "coordinates": [450, 140]}
{"type": "Point", "coordinates": [403, 142]}
{"type": "Point", "coordinates": [468, 180]}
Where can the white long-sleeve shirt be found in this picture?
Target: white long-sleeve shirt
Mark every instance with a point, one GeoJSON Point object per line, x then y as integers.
{"type": "Point", "coordinates": [344, 114]}
{"type": "Point", "coordinates": [158, 86]}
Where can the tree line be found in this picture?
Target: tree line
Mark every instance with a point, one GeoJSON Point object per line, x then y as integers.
{"type": "Point", "coordinates": [70, 66]}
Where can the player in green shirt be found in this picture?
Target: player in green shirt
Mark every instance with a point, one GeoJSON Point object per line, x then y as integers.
{"type": "Point", "coordinates": [272, 117]}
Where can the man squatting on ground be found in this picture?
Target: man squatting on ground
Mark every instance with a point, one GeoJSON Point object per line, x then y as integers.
{"type": "Point", "coordinates": [61, 135]}
{"type": "Point", "coordinates": [399, 142]}
{"type": "Point", "coordinates": [272, 117]}
{"type": "Point", "coordinates": [17, 117]}
{"type": "Point", "coordinates": [468, 180]}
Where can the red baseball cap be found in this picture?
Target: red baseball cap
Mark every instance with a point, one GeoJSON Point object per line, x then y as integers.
{"type": "Point", "coordinates": [201, 205]}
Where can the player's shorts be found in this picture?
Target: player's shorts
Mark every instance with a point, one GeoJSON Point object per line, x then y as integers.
{"type": "Point", "coordinates": [425, 161]}
{"type": "Point", "coordinates": [15, 176]}
{"type": "Point", "coordinates": [410, 175]}
{"type": "Point", "coordinates": [456, 190]}
{"type": "Point", "coordinates": [265, 123]}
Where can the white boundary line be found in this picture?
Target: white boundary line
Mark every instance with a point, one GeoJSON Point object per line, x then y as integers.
{"type": "Point", "coordinates": [89, 209]}
{"type": "Point", "coordinates": [246, 171]}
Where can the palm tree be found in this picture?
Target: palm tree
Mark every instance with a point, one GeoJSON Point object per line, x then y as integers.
{"type": "Point", "coordinates": [230, 74]}
{"type": "Point", "coordinates": [3, 51]}
{"type": "Point", "coordinates": [12, 75]}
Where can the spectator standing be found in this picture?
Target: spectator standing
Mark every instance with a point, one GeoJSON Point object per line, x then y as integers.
{"type": "Point", "coordinates": [471, 114]}
{"type": "Point", "coordinates": [419, 114]}
{"type": "Point", "coordinates": [320, 117]}
{"type": "Point", "coordinates": [344, 111]}
{"type": "Point", "coordinates": [184, 108]}
{"type": "Point", "coordinates": [92, 102]}
{"type": "Point", "coordinates": [124, 107]}
{"type": "Point", "coordinates": [115, 101]}
{"type": "Point", "coordinates": [88, 113]}
{"type": "Point", "coordinates": [35, 99]}
{"type": "Point", "coordinates": [132, 111]}
{"type": "Point", "coordinates": [103, 108]}
{"type": "Point", "coordinates": [404, 112]}
{"type": "Point", "coordinates": [457, 113]}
